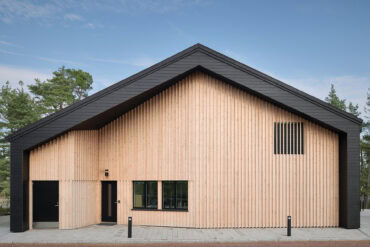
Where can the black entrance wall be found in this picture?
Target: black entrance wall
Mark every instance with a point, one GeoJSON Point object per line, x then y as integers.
{"type": "Point", "coordinates": [109, 201]}
{"type": "Point", "coordinates": [45, 201]}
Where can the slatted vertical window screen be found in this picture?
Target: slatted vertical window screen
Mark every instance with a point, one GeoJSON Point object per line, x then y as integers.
{"type": "Point", "coordinates": [288, 138]}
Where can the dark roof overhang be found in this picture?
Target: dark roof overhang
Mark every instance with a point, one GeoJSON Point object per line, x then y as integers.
{"type": "Point", "coordinates": [106, 105]}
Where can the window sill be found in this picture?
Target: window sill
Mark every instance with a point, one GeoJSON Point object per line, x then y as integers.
{"type": "Point", "coordinates": [154, 209]}
{"type": "Point", "coordinates": [144, 209]}
{"type": "Point", "coordinates": [175, 210]}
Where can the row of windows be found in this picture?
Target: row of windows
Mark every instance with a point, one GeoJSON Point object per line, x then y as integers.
{"type": "Point", "coordinates": [288, 138]}
{"type": "Point", "coordinates": [174, 195]}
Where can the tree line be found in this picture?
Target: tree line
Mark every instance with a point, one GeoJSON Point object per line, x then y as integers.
{"type": "Point", "coordinates": [20, 107]}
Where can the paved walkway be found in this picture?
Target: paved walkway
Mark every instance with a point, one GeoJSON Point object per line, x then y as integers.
{"type": "Point", "coordinates": [142, 234]}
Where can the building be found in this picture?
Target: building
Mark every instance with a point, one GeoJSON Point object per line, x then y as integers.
{"type": "Point", "coordinates": [197, 140]}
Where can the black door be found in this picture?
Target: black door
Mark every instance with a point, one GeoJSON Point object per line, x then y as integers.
{"type": "Point", "coordinates": [109, 201]}
{"type": "Point", "coordinates": [45, 201]}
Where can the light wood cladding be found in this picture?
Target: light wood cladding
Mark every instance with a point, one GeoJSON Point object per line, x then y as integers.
{"type": "Point", "coordinates": [220, 139]}
{"type": "Point", "coordinates": [73, 160]}
{"type": "Point", "coordinates": [78, 205]}
{"type": "Point", "coordinates": [86, 155]}
{"type": "Point", "coordinates": [73, 156]}
{"type": "Point", "coordinates": [53, 160]}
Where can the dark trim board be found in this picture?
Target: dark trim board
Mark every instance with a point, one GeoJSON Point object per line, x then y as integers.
{"type": "Point", "coordinates": [102, 107]}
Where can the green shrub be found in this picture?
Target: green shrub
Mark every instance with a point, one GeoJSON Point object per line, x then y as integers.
{"type": "Point", "coordinates": [4, 211]}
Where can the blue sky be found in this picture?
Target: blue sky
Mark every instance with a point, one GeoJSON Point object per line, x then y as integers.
{"type": "Point", "coordinates": [307, 44]}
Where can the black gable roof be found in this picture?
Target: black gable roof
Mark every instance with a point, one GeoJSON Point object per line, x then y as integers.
{"type": "Point", "coordinates": [106, 105]}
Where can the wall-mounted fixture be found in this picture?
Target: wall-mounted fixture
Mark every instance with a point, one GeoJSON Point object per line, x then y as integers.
{"type": "Point", "coordinates": [106, 172]}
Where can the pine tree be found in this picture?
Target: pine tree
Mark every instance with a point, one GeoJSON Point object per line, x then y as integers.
{"type": "Point", "coordinates": [65, 88]}
{"type": "Point", "coordinates": [18, 108]}
{"type": "Point", "coordinates": [365, 151]}
{"type": "Point", "coordinates": [353, 109]}
{"type": "Point", "coordinates": [334, 100]}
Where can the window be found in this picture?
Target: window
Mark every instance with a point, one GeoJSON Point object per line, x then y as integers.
{"type": "Point", "coordinates": [288, 138]}
{"type": "Point", "coordinates": [175, 195]}
{"type": "Point", "coordinates": [145, 194]}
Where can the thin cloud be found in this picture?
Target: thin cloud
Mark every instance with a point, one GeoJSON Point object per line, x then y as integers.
{"type": "Point", "coordinates": [73, 17]}
{"type": "Point", "coordinates": [2, 42]}
{"type": "Point", "coordinates": [138, 62]}
{"type": "Point", "coordinates": [108, 60]}
{"type": "Point", "coordinates": [17, 10]}
{"type": "Point", "coordinates": [160, 7]}
{"type": "Point", "coordinates": [16, 74]}
{"type": "Point", "coordinates": [93, 25]}
{"type": "Point", "coordinates": [53, 60]}
{"type": "Point", "coordinates": [11, 53]}
{"type": "Point", "coordinates": [11, 9]}
{"type": "Point", "coordinates": [143, 61]}
{"type": "Point", "coordinates": [135, 7]}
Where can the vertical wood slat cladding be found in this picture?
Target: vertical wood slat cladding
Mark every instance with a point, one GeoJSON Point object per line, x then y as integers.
{"type": "Point", "coordinates": [73, 160]}
{"type": "Point", "coordinates": [78, 205]}
{"type": "Point", "coordinates": [217, 137]}
{"type": "Point", "coordinates": [53, 160]}
{"type": "Point", "coordinates": [221, 139]}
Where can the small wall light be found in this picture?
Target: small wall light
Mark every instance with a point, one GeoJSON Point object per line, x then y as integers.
{"type": "Point", "coordinates": [106, 172]}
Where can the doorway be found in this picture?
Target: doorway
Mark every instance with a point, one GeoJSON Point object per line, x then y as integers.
{"type": "Point", "coordinates": [109, 201]}
{"type": "Point", "coordinates": [45, 201]}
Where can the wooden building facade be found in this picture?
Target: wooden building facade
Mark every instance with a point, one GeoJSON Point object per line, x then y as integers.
{"type": "Point", "coordinates": [198, 152]}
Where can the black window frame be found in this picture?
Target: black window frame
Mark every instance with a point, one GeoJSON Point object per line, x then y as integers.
{"type": "Point", "coordinates": [145, 195]}
{"type": "Point", "coordinates": [187, 195]}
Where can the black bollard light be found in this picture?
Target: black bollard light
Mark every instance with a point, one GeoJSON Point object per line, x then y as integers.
{"type": "Point", "coordinates": [289, 226]}
{"type": "Point", "coordinates": [129, 227]}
